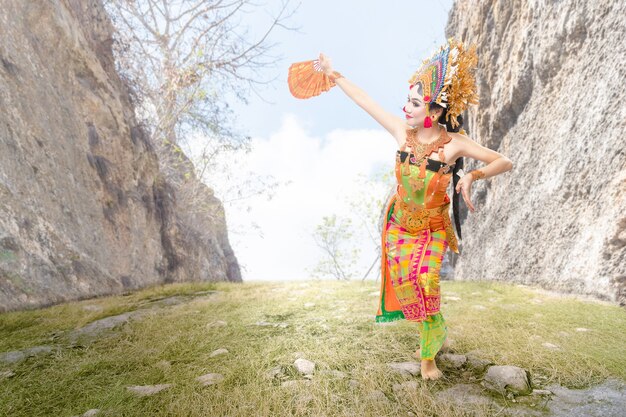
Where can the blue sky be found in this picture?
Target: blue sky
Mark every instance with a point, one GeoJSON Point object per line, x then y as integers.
{"type": "Point", "coordinates": [320, 149]}
{"type": "Point", "coordinates": [377, 45]}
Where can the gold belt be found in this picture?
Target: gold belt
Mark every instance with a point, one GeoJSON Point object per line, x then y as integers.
{"type": "Point", "coordinates": [415, 219]}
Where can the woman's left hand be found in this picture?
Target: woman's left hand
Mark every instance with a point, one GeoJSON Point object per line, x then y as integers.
{"type": "Point", "coordinates": [465, 185]}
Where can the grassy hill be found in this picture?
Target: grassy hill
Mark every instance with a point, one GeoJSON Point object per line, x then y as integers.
{"type": "Point", "coordinates": [88, 364]}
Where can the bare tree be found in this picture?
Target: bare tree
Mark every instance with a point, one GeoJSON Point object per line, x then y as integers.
{"type": "Point", "coordinates": [331, 236]}
{"type": "Point", "coordinates": [184, 59]}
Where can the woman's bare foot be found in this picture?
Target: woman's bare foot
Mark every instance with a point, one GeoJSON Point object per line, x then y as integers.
{"type": "Point", "coordinates": [429, 370]}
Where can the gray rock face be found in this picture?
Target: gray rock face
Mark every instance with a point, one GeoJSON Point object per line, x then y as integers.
{"type": "Point", "coordinates": [84, 208]}
{"type": "Point", "coordinates": [506, 379]}
{"type": "Point", "coordinates": [550, 78]}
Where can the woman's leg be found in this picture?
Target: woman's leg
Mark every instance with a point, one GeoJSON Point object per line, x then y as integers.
{"type": "Point", "coordinates": [433, 332]}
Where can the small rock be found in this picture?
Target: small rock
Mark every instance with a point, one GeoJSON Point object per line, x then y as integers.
{"type": "Point", "coordinates": [275, 372]}
{"type": "Point", "coordinates": [374, 294]}
{"type": "Point", "coordinates": [217, 323]}
{"type": "Point", "coordinates": [506, 378]}
{"type": "Point", "coordinates": [408, 387]}
{"type": "Point", "coordinates": [550, 346]}
{"type": "Point", "coordinates": [145, 390]}
{"type": "Point", "coordinates": [295, 383]}
{"type": "Point", "coordinates": [267, 323]}
{"type": "Point", "coordinates": [217, 352]}
{"type": "Point", "coordinates": [541, 392]}
{"type": "Point", "coordinates": [6, 374]}
{"type": "Point", "coordinates": [309, 305]}
{"type": "Point", "coordinates": [308, 376]}
{"type": "Point", "coordinates": [474, 361]}
{"type": "Point", "coordinates": [210, 379]}
{"type": "Point", "coordinates": [377, 395]}
{"type": "Point", "coordinates": [353, 383]}
{"type": "Point", "coordinates": [453, 360]}
{"type": "Point", "coordinates": [582, 329]}
{"type": "Point", "coordinates": [304, 366]}
{"type": "Point", "coordinates": [563, 334]}
{"type": "Point", "coordinates": [16, 356]}
{"type": "Point", "coordinates": [464, 395]}
{"type": "Point", "coordinates": [479, 307]}
{"type": "Point", "coordinates": [91, 413]}
{"type": "Point", "coordinates": [406, 368]}
{"type": "Point", "coordinates": [451, 298]}
{"type": "Point", "coordinates": [164, 365]}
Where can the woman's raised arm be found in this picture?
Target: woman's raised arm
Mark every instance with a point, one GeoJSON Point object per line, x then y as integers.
{"type": "Point", "coordinates": [393, 124]}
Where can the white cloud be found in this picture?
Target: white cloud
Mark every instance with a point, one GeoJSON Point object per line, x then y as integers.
{"type": "Point", "coordinates": [323, 172]}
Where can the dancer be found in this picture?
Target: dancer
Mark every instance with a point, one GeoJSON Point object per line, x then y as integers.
{"type": "Point", "coordinates": [417, 229]}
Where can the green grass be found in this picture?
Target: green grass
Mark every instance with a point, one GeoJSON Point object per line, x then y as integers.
{"type": "Point", "coordinates": [173, 345]}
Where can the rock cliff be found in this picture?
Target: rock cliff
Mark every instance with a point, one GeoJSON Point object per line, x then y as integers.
{"type": "Point", "coordinates": [84, 208]}
{"type": "Point", "coordinates": [550, 79]}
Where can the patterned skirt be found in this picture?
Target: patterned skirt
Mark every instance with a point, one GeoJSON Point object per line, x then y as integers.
{"type": "Point", "coordinates": [410, 282]}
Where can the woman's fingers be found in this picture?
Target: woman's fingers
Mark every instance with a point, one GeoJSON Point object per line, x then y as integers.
{"type": "Point", "coordinates": [467, 200]}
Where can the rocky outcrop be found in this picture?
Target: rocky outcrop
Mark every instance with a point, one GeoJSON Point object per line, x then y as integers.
{"type": "Point", "coordinates": [84, 208]}
{"type": "Point", "coordinates": [550, 81]}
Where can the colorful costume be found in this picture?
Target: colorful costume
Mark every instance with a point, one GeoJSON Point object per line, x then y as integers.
{"type": "Point", "coordinates": [417, 229]}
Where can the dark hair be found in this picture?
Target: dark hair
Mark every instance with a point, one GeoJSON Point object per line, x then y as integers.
{"type": "Point", "coordinates": [442, 118]}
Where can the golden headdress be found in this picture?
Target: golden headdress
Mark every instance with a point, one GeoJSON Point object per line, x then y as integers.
{"type": "Point", "coordinates": [447, 78]}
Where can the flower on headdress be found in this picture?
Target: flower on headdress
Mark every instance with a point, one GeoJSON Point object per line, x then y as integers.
{"type": "Point", "coordinates": [447, 78]}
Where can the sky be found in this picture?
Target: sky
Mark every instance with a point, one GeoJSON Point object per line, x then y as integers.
{"type": "Point", "coordinates": [325, 153]}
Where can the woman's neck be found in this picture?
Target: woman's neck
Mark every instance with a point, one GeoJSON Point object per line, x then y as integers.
{"type": "Point", "coordinates": [428, 135]}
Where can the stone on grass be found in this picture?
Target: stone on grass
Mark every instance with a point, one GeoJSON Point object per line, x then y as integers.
{"type": "Point", "coordinates": [16, 356]}
{"type": "Point", "coordinates": [406, 368]}
{"type": "Point", "coordinates": [354, 383]}
{"type": "Point", "coordinates": [377, 395]}
{"type": "Point", "coordinates": [217, 323]}
{"type": "Point", "coordinates": [451, 298]}
{"type": "Point", "coordinates": [145, 390]}
{"type": "Point", "coordinates": [267, 323]}
{"type": "Point", "coordinates": [217, 352]}
{"type": "Point", "coordinates": [474, 361]}
{"type": "Point", "coordinates": [479, 307]}
{"type": "Point", "coordinates": [453, 360]}
{"type": "Point", "coordinates": [6, 374]}
{"type": "Point", "coordinates": [550, 346]}
{"type": "Point", "coordinates": [541, 392]}
{"type": "Point", "coordinates": [582, 329]}
{"type": "Point", "coordinates": [405, 387]}
{"type": "Point", "coordinates": [309, 305]}
{"type": "Point", "coordinates": [96, 328]}
{"type": "Point", "coordinates": [275, 372]}
{"type": "Point", "coordinates": [304, 366]}
{"type": "Point", "coordinates": [465, 394]}
{"type": "Point", "coordinates": [506, 379]}
{"type": "Point", "coordinates": [210, 379]}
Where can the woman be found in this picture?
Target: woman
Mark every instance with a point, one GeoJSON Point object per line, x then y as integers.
{"type": "Point", "coordinates": [417, 228]}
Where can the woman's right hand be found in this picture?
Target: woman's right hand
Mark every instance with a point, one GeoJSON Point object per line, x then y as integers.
{"type": "Point", "coordinates": [326, 64]}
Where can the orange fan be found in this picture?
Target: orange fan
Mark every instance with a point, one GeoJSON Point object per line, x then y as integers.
{"type": "Point", "coordinates": [306, 79]}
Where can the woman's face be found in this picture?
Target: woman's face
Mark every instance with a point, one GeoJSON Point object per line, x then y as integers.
{"type": "Point", "coordinates": [414, 109]}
